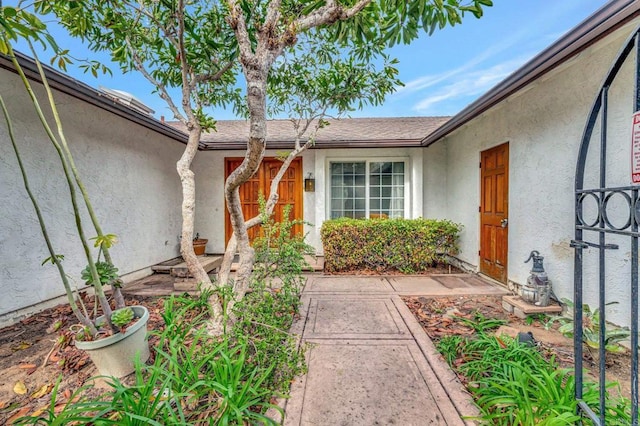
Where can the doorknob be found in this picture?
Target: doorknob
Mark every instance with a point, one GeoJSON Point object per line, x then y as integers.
{"type": "Point", "coordinates": [504, 222]}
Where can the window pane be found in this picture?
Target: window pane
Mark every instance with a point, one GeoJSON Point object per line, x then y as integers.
{"type": "Point", "coordinates": [348, 183]}
{"type": "Point", "coordinates": [387, 189]}
{"type": "Point", "coordinates": [349, 189]}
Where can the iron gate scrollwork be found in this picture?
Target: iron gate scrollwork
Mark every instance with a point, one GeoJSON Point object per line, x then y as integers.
{"type": "Point", "coordinates": [595, 234]}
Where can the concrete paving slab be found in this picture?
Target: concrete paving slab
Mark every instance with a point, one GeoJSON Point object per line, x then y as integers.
{"type": "Point", "coordinates": [368, 383]}
{"type": "Point", "coordinates": [347, 284]}
{"type": "Point", "coordinates": [353, 318]}
{"type": "Point", "coordinates": [370, 362]}
{"type": "Point", "coordinates": [444, 285]}
{"type": "Point", "coordinates": [449, 383]}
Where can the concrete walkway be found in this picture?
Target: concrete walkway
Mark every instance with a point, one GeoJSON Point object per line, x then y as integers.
{"type": "Point", "coordinates": [370, 362]}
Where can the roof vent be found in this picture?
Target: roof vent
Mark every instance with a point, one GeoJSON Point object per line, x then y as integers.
{"type": "Point", "coordinates": [127, 99]}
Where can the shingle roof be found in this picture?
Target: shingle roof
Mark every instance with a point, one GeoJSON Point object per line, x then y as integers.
{"type": "Point", "coordinates": [340, 133]}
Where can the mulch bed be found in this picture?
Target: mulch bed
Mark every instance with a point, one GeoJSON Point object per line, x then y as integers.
{"type": "Point", "coordinates": [38, 351]}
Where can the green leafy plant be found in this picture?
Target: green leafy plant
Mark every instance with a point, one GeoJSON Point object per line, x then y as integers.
{"type": "Point", "coordinates": [531, 319]}
{"type": "Point", "coordinates": [591, 328]}
{"type": "Point", "coordinates": [479, 323]}
{"type": "Point", "coordinates": [450, 347]}
{"type": "Point", "coordinates": [122, 317]}
{"type": "Point", "coordinates": [280, 251]}
{"type": "Point", "coordinates": [513, 383]}
{"type": "Point", "coordinates": [107, 273]}
{"type": "Point", "coordinates": [265, 315]}
{"type": "Point", "coordinates": [405, 245]}
{"type": "Point", "coordinates": [194, 379]}
{"type": "Point", "coordinates": [515, 394]}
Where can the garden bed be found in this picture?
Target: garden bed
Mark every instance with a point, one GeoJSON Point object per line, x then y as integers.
{"type": "Point", "coordinates": [462, 316]}
{"type": "Point", "coordinates": [204, 374]}
{"type": "Point", "coordinates": [27, 380]}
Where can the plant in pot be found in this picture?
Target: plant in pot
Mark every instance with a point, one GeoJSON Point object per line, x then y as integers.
{"type": "Point", "coordinates": [199, 245]}
{"type": "Point", "coordinates": [111, 337]}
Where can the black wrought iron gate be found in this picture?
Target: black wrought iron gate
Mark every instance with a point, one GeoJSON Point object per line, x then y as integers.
{"type": "Point", "coordinates": [600, 236]}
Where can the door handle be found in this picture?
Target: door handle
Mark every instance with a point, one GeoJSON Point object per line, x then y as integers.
{"type": "Point", "coordinates": [504, 222]}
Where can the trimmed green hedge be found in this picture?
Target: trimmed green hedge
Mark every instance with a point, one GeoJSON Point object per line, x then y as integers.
{"type": "Point", "coordinates": [405, 245]}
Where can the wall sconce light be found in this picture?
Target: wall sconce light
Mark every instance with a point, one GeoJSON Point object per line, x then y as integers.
{"type": "Point", "coordinates": [309, 183]}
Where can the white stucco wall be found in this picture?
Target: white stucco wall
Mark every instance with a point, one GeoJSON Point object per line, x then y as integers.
{"type": "Point", "coordinates": [209, 168]}
{"type": "Point", "coordinates": [543, 124]}
{"type": "Point", "coordinates": [434, 190]}
{"type": "Point", "coordinates": [130, 175]}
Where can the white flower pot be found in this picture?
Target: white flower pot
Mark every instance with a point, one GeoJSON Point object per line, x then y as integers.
{"type": "Point", "coordinates": [115, 355]}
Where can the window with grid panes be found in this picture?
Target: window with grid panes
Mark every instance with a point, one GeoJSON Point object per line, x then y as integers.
{"type": "Point", "coordinates": [362, 189]}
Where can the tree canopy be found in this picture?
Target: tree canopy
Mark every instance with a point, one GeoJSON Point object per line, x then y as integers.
{"type": "Point", "coordinates": [304, 59]}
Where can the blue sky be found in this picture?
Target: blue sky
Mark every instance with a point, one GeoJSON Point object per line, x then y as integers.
{"type": "Point", "coordinates": [442, 73]}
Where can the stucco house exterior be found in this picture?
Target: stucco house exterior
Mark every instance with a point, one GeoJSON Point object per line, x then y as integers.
{"type": "Point", "coordinates": [504, 167]}
{"type": "Point", "coordinates": [127, 159]}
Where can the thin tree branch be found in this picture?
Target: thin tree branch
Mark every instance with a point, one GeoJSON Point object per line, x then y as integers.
{"type": "Point", "coordinates": [161, 87]}
{"type": "Point", "coordinates": [207, 78]}
{"type": "Point", "coordinates": [330, 13]}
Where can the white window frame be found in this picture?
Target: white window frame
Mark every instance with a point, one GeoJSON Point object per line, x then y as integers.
{"type": "Point", "coordinates": [407, 180]}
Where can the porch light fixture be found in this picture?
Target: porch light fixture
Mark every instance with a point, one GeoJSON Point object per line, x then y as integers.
{"type": "Point", "coordinates": [309, 183]}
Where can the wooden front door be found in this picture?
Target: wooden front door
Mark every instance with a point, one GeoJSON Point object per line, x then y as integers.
{"type": "Point", "coordinates": [494, 209]}
{"type": "Point", "coordinates": [289, 189]}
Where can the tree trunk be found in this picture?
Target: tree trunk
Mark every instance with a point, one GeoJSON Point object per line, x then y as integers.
{"type": "Point", "coordinates": [256, 99]}
{"type": "Point", "coordinates": [187, 178]}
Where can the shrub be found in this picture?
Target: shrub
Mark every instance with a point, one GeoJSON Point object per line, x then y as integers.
{"type": "Point", "coordinates": [405, 245]}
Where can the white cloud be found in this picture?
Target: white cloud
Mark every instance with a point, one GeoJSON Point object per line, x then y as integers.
{"type": "Point", "coordinates": [469, 84]}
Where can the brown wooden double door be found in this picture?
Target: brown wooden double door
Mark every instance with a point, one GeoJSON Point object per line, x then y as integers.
{"type": "Point", "coordinates": [289, 189]}
{"type": "Point", "coordinates": [494, 212]}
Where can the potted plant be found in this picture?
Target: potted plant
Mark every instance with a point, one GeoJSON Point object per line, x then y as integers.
{"type": "Point", "coordinates": [199, 245]}
{"type": "Point", "coordinates": [110, 336]}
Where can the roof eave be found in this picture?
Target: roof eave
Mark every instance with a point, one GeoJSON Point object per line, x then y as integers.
{"type": "Point", "coordinates": [320, 144]}
{"type": "Point", "coordinates": [601, 23]}
{"type": "Point", "coordinates": [86, 93]}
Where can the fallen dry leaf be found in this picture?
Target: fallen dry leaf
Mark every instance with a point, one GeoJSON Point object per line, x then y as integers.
{"type": "Point", "coordinates": [20, 388]}
{"type": "Point", "coordinates": [27, 366]}
{"type": "Point", "coordinates": [66, 393]}
{"type": "Point", "coordinates": [20, 413]}
{"type": "Point", "coordinates": [44, 390]}
{"type": "Point", "coordinates": [21, 346]}
{"type": "Point", "coordinates": [59, 407]}
{"type": "Point", "coordinates": [40, 410]}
